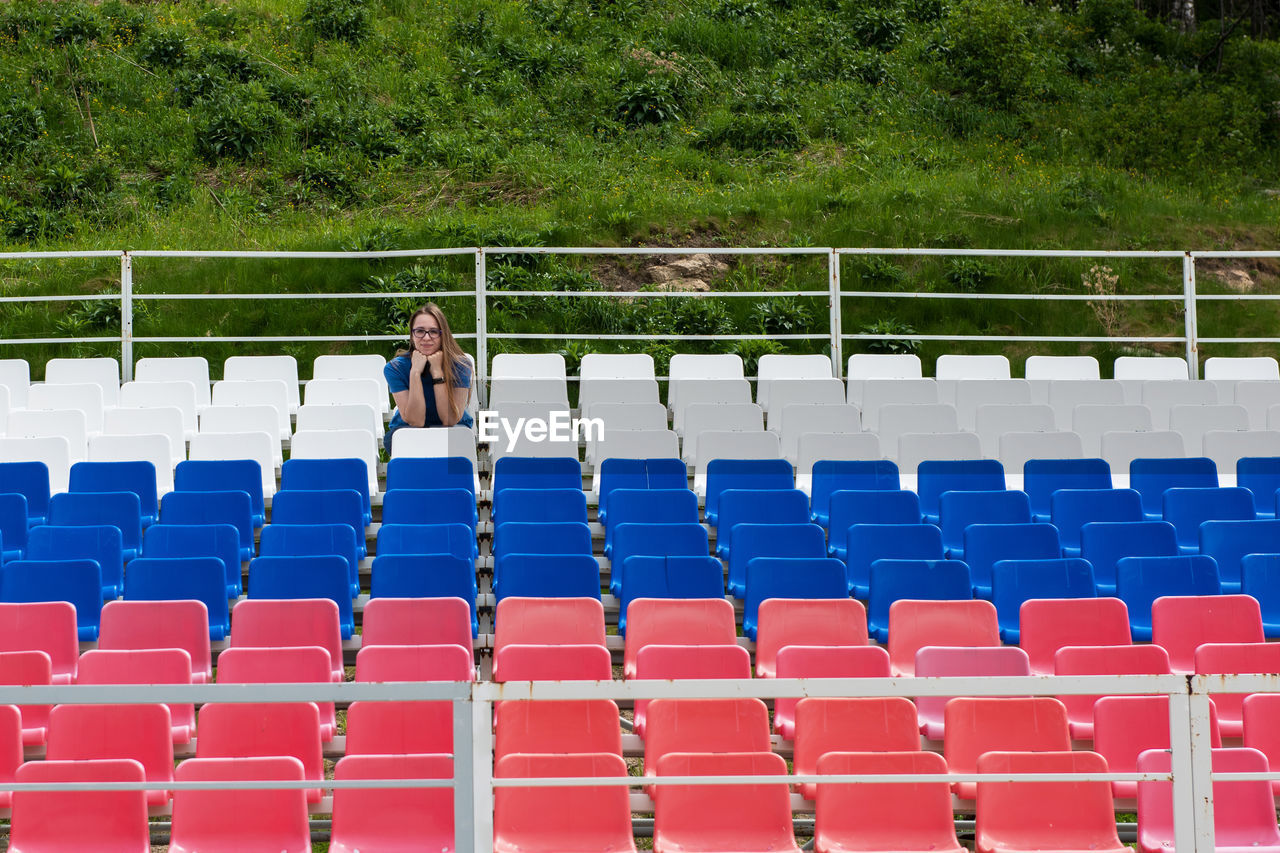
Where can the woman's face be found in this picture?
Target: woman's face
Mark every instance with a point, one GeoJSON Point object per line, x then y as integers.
{"type": "Point", "coordinates": [426, 334]}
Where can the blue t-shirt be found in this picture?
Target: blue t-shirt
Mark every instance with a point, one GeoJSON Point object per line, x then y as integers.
{"type": "Point", "coordinates": [397, 373]}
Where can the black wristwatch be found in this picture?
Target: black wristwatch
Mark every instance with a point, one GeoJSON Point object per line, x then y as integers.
{"type": "Point", "coordinates": [439, 380]}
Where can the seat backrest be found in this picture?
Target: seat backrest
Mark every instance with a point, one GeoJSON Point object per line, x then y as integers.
{"type": "Point", "coordinates": [259, 368]}
{"type": "Point", "coordinates": [1233, 658]}
{"type": "Point", "coordinates": [135, 450]}
{"type": "Point", "coordinates": [243, 418]}
{"type": "Point", "coordinates": [1125, 726]}
{"type": "Point", "coordinates": [1182, 623]}
{"type": "Point", "coordinates": [914, 624]}
{"type": "Point", "coordinates": [671, 662]}
{"type": "Point", "coordinates": [1037, 815]}
{"type": "Point", "coordinates": [548, 621]}
{"type": "Point", "coordinates": [951, 661]}
{"type": "Point", "coordinates": [561, 662]}
{"type": "Point", "coordinates": [203, 579]}
{"type": "Point", "coordinates": [47, 626]}
{"type": "Point", "coordinates": [977, 726]}
{"type": "Point", "coordinates": [274, 819]}
{"type": "Point", "coordinates": [914, 815]}
{"type": "Point", "coordinates": [84, 397]}
{"type": "Point", "coordinates": [1151, 367]}
{"type": "Point", "coordinates": [1072, 508]}
{"type": "Point", "coordinates": [1014, 582]}
{"type": "Point", "coordinates": [193, 369]}
{"type": "Point", "coordinates": [1104, 543]}
{"type": "Point", "coordinates": [972, 367]}
{"type": "Point", "coordinates": [776, 368]}
{"type": "Point", "coordinates": [986, 544]}
{"type": "Point", "coordinates": [1229, 541]}
{"type": "Point", "coordinates": [1120, 449]}
{"type": "Point", "coordinates": [139, 732]}
{"type": "Point", "coordinates": [15, 375]}
{"type": "Point", "coordinates": [884, 366]}
{"type": "Point", "coordinates": [78, 581]}
{"type": "Point", "coordinates": [80, 820]}
{"type": "Point", "coordinates": [891, 580]}
{"type": "Point", "coordinates": [790, 577]}
{"type": "Point", "coordinates": [673, 578]}
{"type": "Point", "coordinates": [283, 623]}
{"type": "Point", "coordinates": [338, 444]}
{"type": "Point", "coordinates": [1141, 580]}
{"type": "Point", "coordinates": [543, 820]}
{"type": "Point", "coordinates": [1018, 449]}
{"type": "Point", "coordinates": [29, 669]}
{"type": "Point", "coordinates": [556, 726]}
{"type": "Point", "coordinates": [255, 447]}
{"type": "Point", "coordinates": [1151, 477]}
{"type": "Point", "coordinates": [69, 425]}
{"type": "Point", "coordinates": [31, 480]}
{"type": "Point", "coordinates": [690, 622]}
{"type": "Point", "coordinates": [823, 662]}
{"type": "Point", "coordinates": [972, 394]}
{"type": "Point", "coordinates": [1104, 660]}
{"type": "Point", "coordinates": [1195, 420]}
{"type": "Point", "coordinates": [1062, 367]}
{"type": "Point", "coordinates": [771, 540]}
{"type": "Point", "coordinates": [144, 666]}
{"type": "Point", "coordinates": [958, 509]}
{"type": "Point", "coordinates": [915, 448]}
{"type": "Point", "coordinates": [1228, 448]}
{"type": "Point", "coordinates": [741, 817]}
{"type": "Point", "coordinates": [1260, 578]}
{"type": "Point", "coordinates": [1160, 397]}
{"type": "Point", "coordinates": [103, 372]}
{"type": "Point", "coordinates": [110, 479]}
{"type": "Point", "coordinates": [547, 575]}
{"type": "Point", "coordinates": [385, 818]}
{"type": "Point", "coordinates": [704, 725]}
{"type": "Point", "coordinates": [991, 420]}
{"type": "Point", "coordinates": [416, 621]}
{"type": "Point", "coordinates": [137, 625]}
{"type": "Point", "coordinates": [260, 392]}
{"type": "Point", "coordinates": [933, 477]}
{"type": "Point", "coordinates": [1092, 419]}
{"type": "Point", "coordinates": [1243, 811]}
{"type": "Point", "coordinates": [814, 622]}
{"type": "Point", "coordinates": [1255, 367]}
{"type": "Point", "coordinates": [422, 577]}
{"type": "Point", "coordinates": [178, 394]}
{"type": "Point", "coordinates": [830, 419]}
{"type": "Point", "coordinates": [726, 474]}
{"type": "Point", "coordinates": [596, 365]}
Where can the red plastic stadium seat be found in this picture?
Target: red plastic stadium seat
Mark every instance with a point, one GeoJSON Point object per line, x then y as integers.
{"type": "Point", "coordinates": [1125, 726]}
{"type": "Point", "coordinates": [47, 626]}
{"type": "Point", "coordinates": [231, 821]}
{"type": "Point", "coordinates": [884, 817]}
{"type": "Point", "coordinates": [851, 725]}
{"type": "Point", "coordinates": [704, 725]}
{"type": "Point", "coordinates": [561, 820]}
{"type": "Point", "coordinates": [823, 662]}
{"type": "Point", "coordinates": [27, 669]}
{"type": "Point", "coordinates": [1049, 624]}
{"type": "Point", "coordinates": [1262, 727]}
{"type": "Point", "coordinates": [1181, 623]}
{"type": "Point", "coordinates": [417, 622]}
{"type": "Point", "coordinates": [675, 662]}
{"type": "Point", "coordinates": [263, 729]}
{"type": "Point", "coordinates": [548, 622]}
{"type": "Point", "coordinates": [129, 625]}
{"type": "Point", "coordinates": [393, 820]}
{"type": "Point", "coordinates": [714, 818]}
{"type": "Point", "coordinates": [955, 661]}
{"type": "Point", "coordinates": [806, 622]}
{"type": "Point", "coordinates": [1214, 658]}
{"type": "Point", "coordinates": [138, 732]}
{"type": "Point", "coordinates": [516, 662]}
{"type": "Point", "coordinates": [146, 666]}
{"type": "Point", "coordinates": [1026, 816]}
{"type": "Point", "coordinates": [670, 621]}
{"type": "Point", "coordinates": [1103, 660]}
{"type": "Point", "coordinates": [270, 624]}
{"type": "Point", "coordinates": [10, 749]}
{"type": "Point", "coordinates": [389, 728]}
{"type": "Point", "coordinates": [284, 665]}
{"type": "Point", "coordinates": [916, 624]}
{"type": "Point", "coordinates": [564, 727]}
{"type": "Point", "coordinates": [73, 821]}
{"type": "Point", "coordinates": [975, 726]}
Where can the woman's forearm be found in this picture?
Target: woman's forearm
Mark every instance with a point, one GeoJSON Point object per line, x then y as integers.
{"type": "Point", "coordinates": [415, 412]}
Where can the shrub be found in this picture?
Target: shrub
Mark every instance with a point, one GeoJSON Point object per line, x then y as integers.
{"type": "Point", "coordinates": [783, 316]}
{"type": "Point", "coordinates": [164, 50]}
{"type": "Point", "coordinates": [969, 275]}
{"type": "Point", "coordinates": [880, 28]}
{"type": "Point", "coordinates": [890, 326]}
{"type": "Point", "coordinates": [752, 131]}
{"type": "Point", "coordinates": [998, 51]}
{"type": "Point", "coordinates": [649, 101]}
{"type": "Point", "coordinates": [233, 128]}
{"type": "Point", "coordinates": [347, 20]}
{"type": "Point", "coordinates": [750, 352]}
{"type": "Point", "coordinates": [22, 125]}
{"type": "Point", "coordinates": [878, 269]}
{"type": "Point", "coordinates": [73, 24]}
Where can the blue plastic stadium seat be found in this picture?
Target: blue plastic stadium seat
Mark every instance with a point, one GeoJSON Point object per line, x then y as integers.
{"type": "Point", "coordinates": [870, 542]}
{"type": "Point", "coordinates": [437, 472]}
{"type": "Point", "coordinates": [1186, 509]}
{"type": "Point", "coordinates": [182, 579]}
{"type": "Point", "coordinates": [725, 474]}
{"type": "Point", "coordinates": [1261, 476]}
{"type": "Point", "coordinates": [430, 506]}
{"type": "Point", "coordinates": [322, 506]}
{"type": "Point", "coordinates": [100, 543]}
{"type": "Point", "coordinates": [936, 476]}
{"type": "Point", "coordinates": [1103, 543]}
{"type": "Point", "coordinates": [456, 539]}
{"type": "Point", "coordinates": [13, 525]}
{"type": "Point", "coordinates": [544, 505]}
{"type": "Point", "coordinates": [234, 508]}
{"type": "Point", "coordinates": [303, 540]}
{"type": "Point", "coordinates": [987, 544]}
{"type": "Point", "coordinates": [119, 509]}
{"type": "Point", "coordinates": [632, 539]}
{"type": "Point", "coordinates": [31, 480]}
{"type": "Point", "coordinates": [865, 506]}
{"type": "Point", "coordinates": [649, 506]}
{"type": "Point", "coordinates": [549, 576]}
{"type": "Point", "coordinates": [669, 577]}
{"type": "Point", "coordinates": [789, 577]}
{"type": "Point", "coordinates": [1141, 580]}
{"type": "Point", "coordinates": [771, 540]}
{"type": "Point", "coordinates": [310, 475]}
{"type": "Point", "coordinates": [638, 474]}
{"type": "Point", "coordinates": [957, 510]}
{"type": "Point", "coordinates": [224, 475]}
{"type": "Point", "coordinates": [757, 506]}
{"type": "Point", "coordinates": [1150, 478]}
{"type": "Point", "coordinates": [1042, 477]}
{"type": "Point", "coordinates": [425, 576]}
{"type": "Point", "coordinates": [304, 577]}
{"type": "Point", "coordinates": [138, 477]}
{"type": "Point", "coordinates": [198, 540]}
{"type": "Point", "coordinates": [1260, 577]}
{"type": "Point", "coordinates": [1228, 541]}
{"type": "Point", "coordinates": [893, 579]}
{"type": "Point", "coordinates": [522, 472]}
{"type": "Point", "coordinates": [1016, 581]}
{"type": "Point", "coordinates": [838, 475]}
{"type": "Point", "coordinates": [1071, 509]}
{"type": "Point", "coordinates": [76, 581]}
{"type": "Point", "coordinates": [531, 537]}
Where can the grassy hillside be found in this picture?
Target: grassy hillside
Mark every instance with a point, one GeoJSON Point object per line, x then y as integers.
{"type": "Point", "coordinates": [302, 124]}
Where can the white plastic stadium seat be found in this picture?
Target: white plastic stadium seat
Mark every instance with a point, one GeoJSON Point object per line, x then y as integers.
{"type": "Point", "coordinates": [85, 397]}
{"type": "Point", "coordinates": [1193, 421]}
{"type": "Point", "coordinates": [352, 416]}
{"type": "Point", "coordinates": [799, 419]}
{"type": "Point", "coordinates": [995, 419]}
{"type": "Point", "coordinates": [1226, 448]}
{"type": "Point", "coordinates": [190, 368]}
{"type": "Point", "coordinates": [785, 392]}
{"type": "Point", "coordinates": [972, 367]}
{"type": "Point", "coordinates": [884, 366]}
{"type": "Point", "coordinates": [722, 391]}
{"type": "Point", "coordinates": [263, 392]}
{"type": "Point", "coordinates": [592, 392]}
{"type": "Point", "coordinates": [717, 444]}
{"type": "Point", "coordinates": [100, 371]}
{"type": "Point", "coordinates": [596, 365]}
{"type": "Point", "coordinates": [525, 445]}
{"type": "Point", "coordinates": [152, 448]}
{"type": "Point", "coordinates": [175, 393]}
{"type": "Point", "coordinates": [705, 417]}
{"type": "Point", "coordinates": [1151, 367]}
{"type": "Point", "coordinates": [542, 365]}
{"type": "Point", "coordinates": [1161, 396]}
{"type": "Point", "coordinates": [1261, 367]}
{"type": "Point", "coordinates": [15, 374]}
{"type": "Point", "coordinates": [686, 366]}
{"type": "Point", "coordinates": [240, 445]}
{"type": "Point", "coordinates": [917, 447]}
{"type": "Point", "coordinates": [972, 393]}
{"type": "Point", "coordinates": [364, 366]}
{"type": "Point", "coordinates": [1091, 421]}
{"type": "Point", "coordinates": [625, 416]}
{"type": "Point", "coordinates": [5, 407]}
{"type": "Point", "coordinates": [1062, 367]}
{"type": "Point", "coordinates": [338, 444]}
{"type": "Point", "coordinates": [166, 422]}
{"type": "Point", "coordinates": [1066, 394]}
{"type": "Point", "coordinates": [412, 443]}
{"type": "Point", "coordinates": [53, 450]}
{"type": "Point", "coordinates": [900, 419]}
{"type": "Point", "coordinates": [68, 424]}
{"type": "Point", "coordinates": [1121, 448]}
{"type": "Point", "coordinates": [504, 391]}
{"type": "Point", "coordinates": [877, 393]}
{"type": "Point", "coordinates": [1018, 447]}
{"type": "Point", "coordinates": [344, 392]}
{"type": "Point", "coordinates": [222, 419]}
{"type": "Point", "coordinates": [634, 444]}
{"type": "Point", "coordinates": [776, 366]}
{"type": "Point", "coordinates": [818, 446]}
{"type": "Point", "coordinates": [263, 367]}
{"type": "Point", "coordinates": [1257, 396]}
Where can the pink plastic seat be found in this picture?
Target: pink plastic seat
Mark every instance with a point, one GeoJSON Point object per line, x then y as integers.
{"type": "Point", "coordinates": [548, 622]}
{"type": "Point", "coordinates": [975, 726]}
{"type": "Point", "coordinates": [1214, 658]}
{"type": "Point", "coordinates": [806, 622]}
{"type": "Point", "coordinates": [232, 821]}
{"type": "Point", "coordinates": [884, 817]}
{"type": "Point", "coordinates": [670, 621]}
{"type": "Point", "coordinates": [393, 820]}
{"type": "Point", "coordinates": [916, 624]}
{"type": "Point", "coordinates": [722, 818]}
{"type": "Point", "coordinates": [1244, 813]}
{"type": "Point", "coordinates": [1262, 727]}
{"type": "Point", "coordinates": [561, 820]}
{"type": "Point", "coordinates": [74, 821]}
{"type": "Point", "coordinates": [1125, 726]}
{"type": "Point", "coordinates": [577, 727]}
{"type": "Point", "coordinates": [145, 666]}
{"type": "Point", "coordinates": [1181, 623]}
{"type": "Point", "coordinates": [132, 625]}
{"type": "Point", "coordinates": [823, 662]}
{"type": "Point", "coordinates": [255, 729]}
{"type": "Point", "coordinates": [675, 662]}
{"type": "Point", "coordinates": [1049, 624]}
{"type": "Point", "coordinates": [851, 725]}
{"type": "Point", "coordinates": [138, 732]}
{"type": "Point", "coordinates": [284, 665]}
{"type": "Point", "coordinates": [10, 749]}
{"type": "Point", "coordinates": [417, 622]}
{"type": "Point", "coordinates": [47, 626]}
{"type": "Point", "coordinates": [1025, 816]}
{"type": "Point", "coordinates": [519, 662]}
{"type": "Point", "coordinates": [389, 728]}
{"type": "Point", "coordinates": [27, 669]}
{"type": "Point", "coordinates": [270, 624]}
{"type": "Point", "coordinates": [1103, 660]}
{"type": "Point", "coordinates": [704, 725]}
{"type": "Point", "coordinates": [953, 661]}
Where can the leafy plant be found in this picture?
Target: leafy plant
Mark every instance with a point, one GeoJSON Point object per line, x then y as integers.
{"type": "Point", "coordinates": [901, 343]}
{"type": "Point", "coordinates": [969, 275]}
{"type": "Point", "coordinates": [166, 49]}
{"type": "Point", "coordinates": [572, 353]}
{"type": "Point", "coordinates": [347, 20]}
{"type": "Point", "coordinates": [880, 28]}
{"type": "Point", "coordinates": [235, 129]}
{"type": "Point", "coordinates": [783, 316]}
{"type": "Point", "coordinates": [649, 101]}
{"type": "Point", "coordinates": [750, 352]}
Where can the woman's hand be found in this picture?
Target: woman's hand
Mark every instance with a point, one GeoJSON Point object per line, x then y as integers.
{"type": "Point", "coordinates": [435, 360]}
{"type": "Point", "coordinates": [417, 363]}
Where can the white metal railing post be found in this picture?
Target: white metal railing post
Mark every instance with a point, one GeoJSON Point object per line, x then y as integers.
{"type": "Point", "coordinates": [1201, 768]}
{"type": "Point", "coordinates": [126, 316]}
{"type": "Point", "coordinates": [482, 328]}
{"type": "Point", "coordinates": [1189, 314]}
{"type": "Point", "coordinates": [464, 811]}
{"type": "Point", "coordinates": [481, 770]}
{"type": "Point", "coordinates": [833, 278]}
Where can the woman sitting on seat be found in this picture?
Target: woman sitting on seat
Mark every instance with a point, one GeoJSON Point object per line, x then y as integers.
{"type": "Point", "coordinates": [431, 383]}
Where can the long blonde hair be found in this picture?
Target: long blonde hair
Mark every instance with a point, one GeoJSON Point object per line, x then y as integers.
{"type": "Point", "coordinates": [451, 355]}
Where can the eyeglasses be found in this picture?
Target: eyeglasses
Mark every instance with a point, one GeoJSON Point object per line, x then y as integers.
{"type": "Point", "coordinates": [427, 333]}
